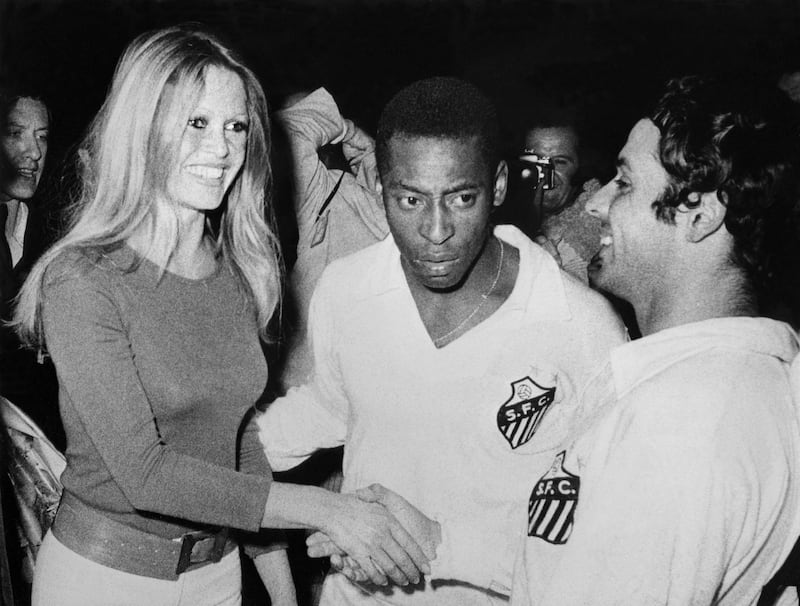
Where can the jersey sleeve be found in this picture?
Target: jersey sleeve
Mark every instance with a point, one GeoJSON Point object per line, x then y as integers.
{"type": "Point", "coordinates": [461, 556]}
{"type": "Point", "coordinates": [313, 416]}
{"type": "Point", "coordinates": [310, 124]}
{"type": "Point", "coordinates": [87, 340]}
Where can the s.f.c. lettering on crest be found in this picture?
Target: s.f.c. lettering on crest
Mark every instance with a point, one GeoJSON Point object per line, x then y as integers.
{"type": "Point", "coordinates": [551, 508]}
{"type": "Point", "coordinates": [520, 415]}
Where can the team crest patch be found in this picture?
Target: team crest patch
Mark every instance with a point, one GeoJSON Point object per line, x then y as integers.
{"type": "Point", "coordinates": [522, 413]}
{"type": "Point", "coordinates": [551, 508]}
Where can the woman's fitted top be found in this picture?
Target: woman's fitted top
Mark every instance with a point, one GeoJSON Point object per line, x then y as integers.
{"type": "Point", "coordinates": [156, 373]}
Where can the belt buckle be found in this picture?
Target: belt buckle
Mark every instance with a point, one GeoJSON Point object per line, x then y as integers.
{"type": "Point", "coordinates": [191, 539]}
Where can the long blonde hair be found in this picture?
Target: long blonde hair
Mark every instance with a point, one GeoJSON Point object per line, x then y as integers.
{"type": "Point", "coordinates": [122, 169]}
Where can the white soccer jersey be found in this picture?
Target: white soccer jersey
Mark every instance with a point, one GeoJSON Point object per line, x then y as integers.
{"type": "Point", "coordinates": [684, 488]}
{"type": "Point", "coordinates": [457, 430]}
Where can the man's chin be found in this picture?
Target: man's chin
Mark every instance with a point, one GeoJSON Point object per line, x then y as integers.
{"type": "Point", "coordinates": [441, 284]}
{"type": "Point", "coordinates": [18, 193]}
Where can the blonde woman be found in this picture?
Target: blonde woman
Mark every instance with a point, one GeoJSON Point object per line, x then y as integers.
{"type": "Point", "coordinates": [152, 307]}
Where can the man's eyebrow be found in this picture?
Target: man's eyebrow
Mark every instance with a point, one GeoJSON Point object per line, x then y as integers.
{"type": "Point", "coordinates": [622, 162]}
{"type": "Point", "coordinates": [401, 185]}
{"type": "Point", "coordinates": [466, 185]}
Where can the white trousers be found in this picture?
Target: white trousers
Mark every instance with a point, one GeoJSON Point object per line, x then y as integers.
{"type": "Point", "coordinates": [64, 578]}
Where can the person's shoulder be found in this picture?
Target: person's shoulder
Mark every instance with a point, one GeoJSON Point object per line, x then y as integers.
{"type": "Point", "coordinates": [707, 391]}
{"type": "Point", "coordinates": [582, 296]}
{"type": "Point", "coordinates": [588, 305]}
{"type": "Point", "coordinates": [77, 268]}
{"type": "Point", "coordinates": [573, 299]}
{"type": "Point", "coordinates": [354, 272]}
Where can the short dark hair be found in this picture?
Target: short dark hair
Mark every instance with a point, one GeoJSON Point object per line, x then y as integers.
{"type": "Point", "coordinates": [440, 107]}
{"type": "Point", "coordinates": [741, 141]}
{"type": "Point", "coordinates": [11, 92]}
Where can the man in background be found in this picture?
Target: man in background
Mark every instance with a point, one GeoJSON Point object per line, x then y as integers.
{"type": "Point", "coordinates": [552, 190]}
{"type": "Point", "coordinates": [338, 209]}
{"type": "Point", "coordinates": [26, 378]}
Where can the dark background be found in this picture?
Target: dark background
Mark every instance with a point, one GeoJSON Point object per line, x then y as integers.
{"type": "Point", "coordinates": [605, 56]}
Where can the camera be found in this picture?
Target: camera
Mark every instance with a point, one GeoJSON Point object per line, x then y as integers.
{"type": "Point", "coordinates": [538, 169]}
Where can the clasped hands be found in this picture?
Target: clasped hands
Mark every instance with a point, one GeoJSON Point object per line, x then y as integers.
{"type": "Point", "coordinates": [384, 538]}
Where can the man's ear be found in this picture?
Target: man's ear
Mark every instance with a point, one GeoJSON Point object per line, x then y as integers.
{"type": "Point", "coordinates": [704, 217]}
{"type": "Point", "coordinates": [500, 183]}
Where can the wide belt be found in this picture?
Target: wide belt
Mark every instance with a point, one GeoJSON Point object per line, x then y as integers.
{"type": "Point", "coordinates": [96, 537]}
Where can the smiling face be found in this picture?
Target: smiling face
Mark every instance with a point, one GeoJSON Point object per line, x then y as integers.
{"type": "Point", "coordinates": [23, 149]}
{"type": "Point", "coordinates": [560, 144]}
{"type": "Point", "coordinates": [213, 144]}
{"type": "Point", "coordinates": [438, 195]}
{"type": "Point", "coordinates": [636, 247]}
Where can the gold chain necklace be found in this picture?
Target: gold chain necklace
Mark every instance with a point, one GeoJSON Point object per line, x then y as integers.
{"type": "Point", "coordinates": [484, 297]}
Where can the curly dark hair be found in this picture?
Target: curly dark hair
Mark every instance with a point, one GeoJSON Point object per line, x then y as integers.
{"type": "Point", "coordinates": [440, 107]}
{"type": "Point", "coordinates": [743, 142]}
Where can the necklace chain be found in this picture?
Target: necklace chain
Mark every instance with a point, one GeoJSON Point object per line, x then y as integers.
{"type": "Point", "coordinates": [484, 297]}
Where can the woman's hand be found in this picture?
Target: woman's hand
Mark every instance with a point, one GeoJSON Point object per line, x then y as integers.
{"type": "Point", "coordinates": [367, 532]}
{"type": "Point", "coordinates": [426, 532]}
{"type": "Point", "coordinates": [374, 540]}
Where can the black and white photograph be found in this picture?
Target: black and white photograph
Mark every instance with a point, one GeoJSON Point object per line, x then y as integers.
{"type": "Point", "coordinates": [399, 302]}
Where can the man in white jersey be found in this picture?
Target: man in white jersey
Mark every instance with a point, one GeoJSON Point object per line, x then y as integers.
{"type": "Point", "coordinates": [449, 358]}
{"type": "Point", "coordinates": [685, 486]}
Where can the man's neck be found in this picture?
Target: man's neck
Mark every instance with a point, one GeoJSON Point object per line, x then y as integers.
{"type": "Point", "coordinates": [702, 296]}
{"type": "Point", "coordinates": [452, 313]}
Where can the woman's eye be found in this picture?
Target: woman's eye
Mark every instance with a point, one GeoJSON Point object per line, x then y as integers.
{"type": "Point", "coordinates": [621, 183]}
{"type": "Point", "coordinates": [236, 127]}
{"type": "Point", "coordinates": [198, 122]}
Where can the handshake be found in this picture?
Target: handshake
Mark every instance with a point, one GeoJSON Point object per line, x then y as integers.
{"type": "Point", "coordinates": [375, 535]}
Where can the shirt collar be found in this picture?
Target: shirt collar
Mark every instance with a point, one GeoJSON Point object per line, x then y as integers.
{"type": "Point", "coordinates": [387, 273]}
{"type": "Point", "coordinates": [639, 360]}
{"type": "Point", "coordinates": [538, 293]}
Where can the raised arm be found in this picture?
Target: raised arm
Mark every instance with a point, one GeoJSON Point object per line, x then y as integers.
{"type": "Point", "coordinates": [310, 124]}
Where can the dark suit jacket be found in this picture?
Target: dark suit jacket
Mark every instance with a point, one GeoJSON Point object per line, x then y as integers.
{"type": "Point", "coordinates": [27, 383]}
{"type": "Point", "coordinates": [34, 243]}
{"type": "Point", "coordinates": [30, 385]}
